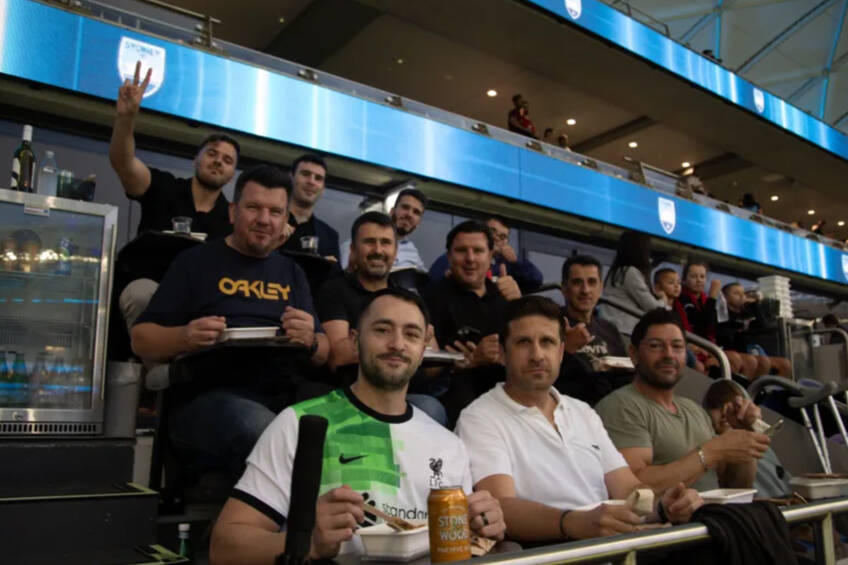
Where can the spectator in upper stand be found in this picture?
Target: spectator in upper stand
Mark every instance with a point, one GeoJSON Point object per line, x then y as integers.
{"type": "Point", "coordinates": [562, 141]}
{"type": "Point", "coordinates": [731, 335]}
{"type": "Point", "coordinates": [666, 438]}
{"type": "Point", "coordinates": [406, 215]}
{"type": "Point", "coordinates": [545, 455]}
{"type": "Point", "coordinates": [467, 311]}
{"type": "Point", "coordinates": [308, 175]}
{"type": "Point", "coordinates": [722, 402]}
{"type": "Point", "coordinates": [163, 196]}
{"type": "Point", "coordinates": [588, 338]}
{"type": "Point", "coordinates": [237, 281]}
{"type": "Point", "coordinates": [667, 281]}
{"type": "Point", "coordinates": [525, 273]}
{"type": "Point", "coordinates": [628, 280]}
{"type": "Point", "coordinates": [698, 313]}
{"type": "Point", "coordinates": [548, 136]}
{"type": "Point", "coordinates": [519, 119]}
{"type": "Point", "coordinates": [818, 227]}
{"type": "Point", "coordinates": [748, 202]}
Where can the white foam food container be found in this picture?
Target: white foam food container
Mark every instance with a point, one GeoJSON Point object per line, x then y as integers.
{"type": "Point", "coordinates": [249, 333]}
{"type": "Point", "coordinates": [728, 495]}
{"type": "Point", "coordinates": [814, 489]}
{"type": "Point", "coordinates": [383, 543]}
{"type": "Point", "coordinates": [616, 362]}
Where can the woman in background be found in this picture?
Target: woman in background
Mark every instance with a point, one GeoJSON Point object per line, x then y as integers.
{"type": "Point", "coordinates": [628, 281]}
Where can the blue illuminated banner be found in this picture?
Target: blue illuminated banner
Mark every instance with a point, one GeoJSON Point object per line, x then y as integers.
{"type": "Point", "coordinates": [641, 40]}
{"type": "Point", "coordinates": [69, 51]}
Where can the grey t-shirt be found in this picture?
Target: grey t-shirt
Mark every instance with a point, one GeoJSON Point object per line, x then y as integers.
{"type": "Point", "coordinates": [632, 420]}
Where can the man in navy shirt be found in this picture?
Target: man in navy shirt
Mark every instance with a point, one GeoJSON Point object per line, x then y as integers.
{"type": "Point", "coordinates": [234, 282]}
{"type": "Point", "coordinates": [525, 273]}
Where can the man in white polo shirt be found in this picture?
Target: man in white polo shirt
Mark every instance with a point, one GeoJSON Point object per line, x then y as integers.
{"type": "Point", "coordinates": [544, 455]}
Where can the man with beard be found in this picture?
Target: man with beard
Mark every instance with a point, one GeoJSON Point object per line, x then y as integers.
{"type": "Point", "coordinates": [588, 338]}
{"type": "Point", "coordinates": [308, 176]}
{"type": "Point", "coordinates": [379, 450]}
{"type": "Point", "coordinates": [237, 281]}
{"type": "Point", "coordinates": [340, 300]}
{"type": "Point", "coordinates": [372, 250]}
{"type": "Point", "coordinates": [545, 455]}
{"type": "Point", "coordinates": [406, 215]}
{"type": "Point", "coordinates": [667, 439]}
{"type": "Point", "coordinates": [161, 195]}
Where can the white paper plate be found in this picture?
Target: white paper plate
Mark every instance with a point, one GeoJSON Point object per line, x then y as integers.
{"type": "Point", "coordinates": [195, 234]}
{"type": "Point", "coordinates": [728, 495]}
{"type": "Point", "coordinates": [249, 333]}
{"type": "Point", "coordinates": [383, 543]}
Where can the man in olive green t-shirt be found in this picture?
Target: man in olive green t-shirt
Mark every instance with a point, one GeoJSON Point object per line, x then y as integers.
{"type": "Point", "coordinates": [668, 439]}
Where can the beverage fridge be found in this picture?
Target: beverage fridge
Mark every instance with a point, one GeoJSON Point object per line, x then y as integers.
{"type": "Point", "coordinates": [56, 263]}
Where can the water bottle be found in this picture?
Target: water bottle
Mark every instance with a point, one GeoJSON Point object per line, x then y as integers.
{"type": "Point", "coordinates": [721, 308]}
{"type": "Point", "coordinates": [48, 176]}
{"type": "Point", "coordinates": [185, 543]}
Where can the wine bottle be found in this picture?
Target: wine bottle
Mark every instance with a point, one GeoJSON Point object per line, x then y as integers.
{"type": "Point", "coordinates": [23, 164]}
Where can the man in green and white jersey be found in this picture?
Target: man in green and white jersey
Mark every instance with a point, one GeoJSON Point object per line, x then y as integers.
{"type": "Point", "coordinates": [379, 450]}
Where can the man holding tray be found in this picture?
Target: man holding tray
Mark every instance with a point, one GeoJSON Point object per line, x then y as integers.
{"type": "Point", "coordinates": [234, 282]}
{"type": "Point", "coordinates": [380, 451]}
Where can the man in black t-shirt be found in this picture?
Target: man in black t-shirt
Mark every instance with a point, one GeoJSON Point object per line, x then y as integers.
{"type": "Point", "coordinates": [163, 196]}
{"type": "Point", "coordinates": [467, 310]}
{"type": "Point", "coordinates": [339, 302]}
{"type": "Point", "coordinates": [308, 175]}
{"type": "Point", "coordinates": [234, 282]}
{"type": "Point", "coordinates": [589, 339]}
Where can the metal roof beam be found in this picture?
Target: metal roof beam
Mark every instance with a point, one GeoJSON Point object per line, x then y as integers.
{"type": "Point", "coordinates": [829, 65]}
{"type": "Point", "coordinates": [787, 32]}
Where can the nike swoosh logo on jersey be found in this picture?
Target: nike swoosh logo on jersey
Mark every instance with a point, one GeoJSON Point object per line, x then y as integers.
{"type": "Point", "coordinates": [343, 460]}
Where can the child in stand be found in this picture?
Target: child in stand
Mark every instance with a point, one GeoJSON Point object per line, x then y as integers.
{"type": "Point", "coordinates": [731, 335]}
{"type": "Point", "coordinates": [667, 284]}
{"type": "Point", "coordinates": [699, 314]}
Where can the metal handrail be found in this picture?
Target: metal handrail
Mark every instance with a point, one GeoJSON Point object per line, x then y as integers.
{"type": "Point", "coordinates": [716, 351]}
{"type": "Point", "coordinates": [629, 544]}
{"type": "Point", "coordinates": [838, 331]}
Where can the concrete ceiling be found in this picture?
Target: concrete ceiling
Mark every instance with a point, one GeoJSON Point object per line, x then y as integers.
{"type": "Point", "coordinates": [449, 54]}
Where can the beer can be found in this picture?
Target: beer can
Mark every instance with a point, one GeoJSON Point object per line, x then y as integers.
{"type": "Point", "coordinates": [450, 536]}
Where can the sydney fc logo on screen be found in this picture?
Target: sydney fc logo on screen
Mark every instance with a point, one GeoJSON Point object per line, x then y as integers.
{"type": "Point", "coordinates": [152, 57]}
{"type": "Point", "coordinates": [574, 8]}
{"type": "Point", "coordinates": [759, 100]}
{"type": "Point", "coordinates": [668, 217]}
{"type": "Point", "coordinates": [845, 266]}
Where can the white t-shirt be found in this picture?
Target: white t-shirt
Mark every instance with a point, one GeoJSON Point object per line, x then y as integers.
{"type": "Point", "coordinates": [563, 467]}
{"type": "Point", "coordinates": [392, 461]}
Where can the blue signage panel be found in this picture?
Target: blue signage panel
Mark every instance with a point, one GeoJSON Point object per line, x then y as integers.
{"type": "Point", "coordinates": [641, 40]}
{"type": "Point", "coordinates": [65, 50]}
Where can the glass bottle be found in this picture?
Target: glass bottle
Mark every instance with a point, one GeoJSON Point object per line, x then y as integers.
{"type": "Point", "coordinates": [23, 164]}
{"type": "Point", "coordinates": [48, 175]}
{"type": "Point", "coordinates": [38, 392]}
